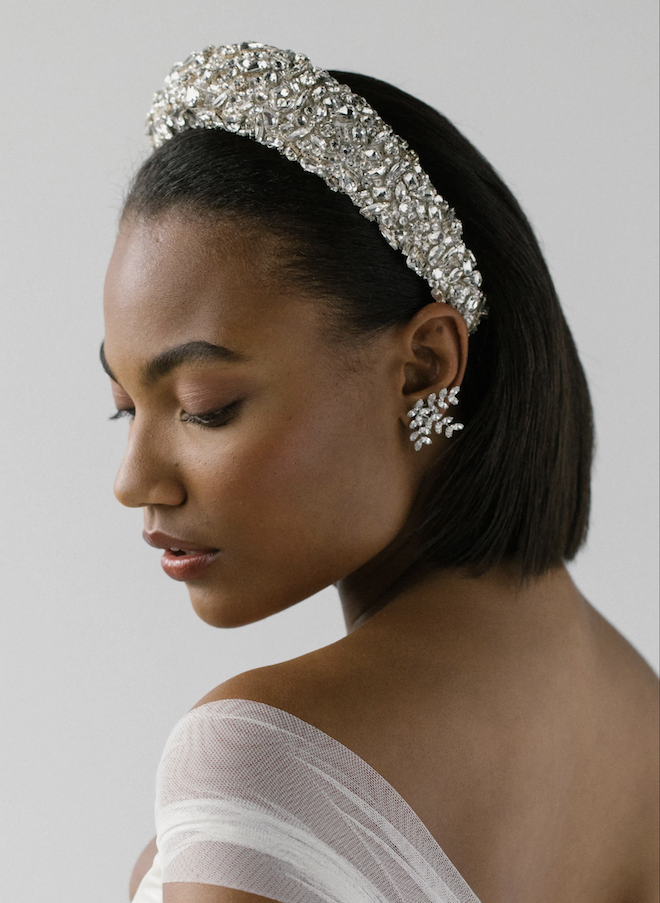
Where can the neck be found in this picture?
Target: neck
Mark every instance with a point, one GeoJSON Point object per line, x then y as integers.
{"type": "Point", "coordinates": [374, 585]}
{"type": "Point", "coordinates": [449, 598]}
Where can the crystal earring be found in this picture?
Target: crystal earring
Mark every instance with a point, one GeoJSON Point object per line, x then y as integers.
{"type": "Point", "coordinates": [427, 416]}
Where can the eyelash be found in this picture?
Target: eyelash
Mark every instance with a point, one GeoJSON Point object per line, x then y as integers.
{"type": "Point", "coordinates": [211, 419]}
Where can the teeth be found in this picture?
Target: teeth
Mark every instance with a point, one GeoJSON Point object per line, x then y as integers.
{"type": "Point", "coordinates": [185, 551]}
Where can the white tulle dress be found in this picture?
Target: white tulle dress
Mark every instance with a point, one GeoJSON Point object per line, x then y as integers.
{"type": "Point", "coordinates": [250, 797]}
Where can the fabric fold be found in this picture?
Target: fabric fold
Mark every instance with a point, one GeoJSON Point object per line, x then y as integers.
{"type": "Point", "coordinates": [250, 797]}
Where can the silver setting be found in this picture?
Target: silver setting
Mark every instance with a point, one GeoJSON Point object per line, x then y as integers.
{"type": "Point", "coordinates": [280, 100]}
{"type": "Point", "coordinates": [427, 416]}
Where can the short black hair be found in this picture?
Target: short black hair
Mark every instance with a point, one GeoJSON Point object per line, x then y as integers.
{"type": "Point", "coordinates": [514, 485]}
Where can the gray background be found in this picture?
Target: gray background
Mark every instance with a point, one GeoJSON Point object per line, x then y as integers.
{"type": "Point", "coordinates": [100, 653]}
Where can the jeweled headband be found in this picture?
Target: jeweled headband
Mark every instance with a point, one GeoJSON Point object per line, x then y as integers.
{"type": "Point", "coordinates": [280, 100]}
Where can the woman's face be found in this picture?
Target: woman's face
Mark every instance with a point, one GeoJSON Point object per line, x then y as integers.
{"type": "Point", "coordinates": [303, 476]}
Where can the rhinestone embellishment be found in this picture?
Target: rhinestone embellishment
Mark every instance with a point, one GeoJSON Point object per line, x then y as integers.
{"type": "Point", "coordinates": [278, 98]}
{"type": "Point", "coordinates": [427, 416]}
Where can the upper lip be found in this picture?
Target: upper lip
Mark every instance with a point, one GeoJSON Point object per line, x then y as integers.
{"type": "Point", "coordinates": [163, 541]}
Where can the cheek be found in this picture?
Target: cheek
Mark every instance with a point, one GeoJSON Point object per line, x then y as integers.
{"type": "Point", "coordinates": [323, 489]}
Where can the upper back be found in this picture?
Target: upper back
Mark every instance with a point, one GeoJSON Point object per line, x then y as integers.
{"type": "Point", "coordinates": [535, 768]}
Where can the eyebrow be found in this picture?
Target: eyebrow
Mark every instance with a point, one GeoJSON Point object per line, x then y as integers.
{"type": "Point", "coordinates": [172, 358]}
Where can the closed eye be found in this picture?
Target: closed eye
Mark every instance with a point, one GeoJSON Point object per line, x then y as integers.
{"type": "Point", "coordinates": [209, 419]}
{"type": "Point", "coordinates": [214, 418]}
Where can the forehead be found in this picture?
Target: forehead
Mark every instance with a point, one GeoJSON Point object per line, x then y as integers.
{"type": "Point", "coordinates": [173, 279]}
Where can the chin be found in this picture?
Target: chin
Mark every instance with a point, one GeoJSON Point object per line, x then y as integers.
{"type": "Point", "coordinates": [217, 610]}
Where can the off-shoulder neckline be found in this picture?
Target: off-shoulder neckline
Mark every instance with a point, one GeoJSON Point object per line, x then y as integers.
{"type": "Point", "coordinates": [460, 885]}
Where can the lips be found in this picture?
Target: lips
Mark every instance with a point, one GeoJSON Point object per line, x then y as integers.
{"type": "Point", "coordinates": [183, 546]}
{"type": "Point", "coordinates": [182, 559]}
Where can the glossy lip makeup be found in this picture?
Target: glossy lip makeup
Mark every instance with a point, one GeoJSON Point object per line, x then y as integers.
{"type": "Point", "coordinates": [181, 560]}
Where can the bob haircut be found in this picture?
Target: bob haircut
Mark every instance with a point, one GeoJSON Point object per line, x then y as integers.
{"type": "Point", "coordinates": [514, 485]}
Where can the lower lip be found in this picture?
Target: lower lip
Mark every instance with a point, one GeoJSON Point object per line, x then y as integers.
{"type": "Point", "coordinates": [186, 567]}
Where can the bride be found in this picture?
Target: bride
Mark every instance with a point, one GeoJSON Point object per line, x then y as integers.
{"type": "Point", "coordinates": [343, 361]}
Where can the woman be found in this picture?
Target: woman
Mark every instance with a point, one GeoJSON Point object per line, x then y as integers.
{"type": "Point", "coordinates": [279, 326]}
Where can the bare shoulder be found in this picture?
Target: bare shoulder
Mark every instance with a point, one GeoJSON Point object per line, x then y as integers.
{"type": "Point", "coordinates": [267, 684]}
{"type": "Point", "coordinates": [631, 695]}
{"type": "Point", "coordinates": [338, 689]}
{"type": "Point", "coordinates": [628, 679]}
{"type": "Point", "coordinates": [632, 689]}
{"type": "Point", "coordinates": [305, 686]}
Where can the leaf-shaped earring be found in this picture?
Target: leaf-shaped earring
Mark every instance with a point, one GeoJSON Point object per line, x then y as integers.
{"type": "Point", "coordinates": [427, 416]}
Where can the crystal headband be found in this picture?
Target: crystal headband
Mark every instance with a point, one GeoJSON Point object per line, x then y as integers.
{"type": "Point", "coordinates": [277, 98]}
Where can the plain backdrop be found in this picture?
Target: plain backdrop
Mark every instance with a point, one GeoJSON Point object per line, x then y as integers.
{"type": "Point", "coordinates": [100, 653]}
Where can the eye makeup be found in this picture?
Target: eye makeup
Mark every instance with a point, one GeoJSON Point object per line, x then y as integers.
{"type": "Point", "coordinates": [198, 399]}
{"type": "Point", "coordinates": [216, 418]}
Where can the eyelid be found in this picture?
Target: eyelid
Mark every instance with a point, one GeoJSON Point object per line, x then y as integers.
{"type": "Point", "coordinates": [206, 418]}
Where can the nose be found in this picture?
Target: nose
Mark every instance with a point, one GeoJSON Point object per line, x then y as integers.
{"type": "Point", "coordinates": [148, 475]}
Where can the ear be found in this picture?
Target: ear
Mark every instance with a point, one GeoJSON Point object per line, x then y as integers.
{"type": "Point", "coordinates": [435, 349]}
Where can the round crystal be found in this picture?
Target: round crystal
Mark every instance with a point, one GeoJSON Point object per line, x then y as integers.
{"type": "Point", "coordinates": [280, 100]}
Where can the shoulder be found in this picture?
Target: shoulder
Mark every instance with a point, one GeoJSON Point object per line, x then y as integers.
{"type": "Point", "coordinates": [268, 685]}
{"type": "Point", "coordinates": [629, 684]}
{"type": "Point", "coordinates": [629, 734]}
{"type": "Point", "coordinates": [643, 728]}
{"type": "Point", "coordinates": [311, 687]}
{"type": "Point", "coordinates": [247, 723]}
{"type": "Point", "coordinates": [338, 690]}
{"type": "Point", "coordinates": [230, 770]}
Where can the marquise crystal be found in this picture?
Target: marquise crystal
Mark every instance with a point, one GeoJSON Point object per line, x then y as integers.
{"type": "Point", "coordinates": [427, 416]}
{"type": "Point", "coordinates": [280, 100]}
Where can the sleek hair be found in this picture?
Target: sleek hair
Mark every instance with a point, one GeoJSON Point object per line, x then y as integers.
{"type": "Point", "coordinates": [514, 485]}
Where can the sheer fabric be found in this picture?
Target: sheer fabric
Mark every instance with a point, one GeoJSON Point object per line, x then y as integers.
{"type": "Point", "coordinates": [250, 797]}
